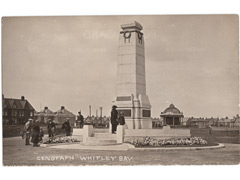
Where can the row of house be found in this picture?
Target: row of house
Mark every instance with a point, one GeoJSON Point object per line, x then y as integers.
{"type": "Point", "coordinates": [213, 122]}
{"type": "Point", "coordinates": [201, 122]}
{"type": "Point", "coordinates": [58, 116]}
{"type": "Point", "coordinates": [18, 111]}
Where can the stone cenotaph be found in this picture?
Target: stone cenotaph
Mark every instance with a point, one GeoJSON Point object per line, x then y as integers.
{"type": "Point", "coordinates": [131, 97]}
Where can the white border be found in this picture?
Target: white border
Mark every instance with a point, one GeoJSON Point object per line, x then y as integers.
{"type": "Point", "coordinates": [122, 7]}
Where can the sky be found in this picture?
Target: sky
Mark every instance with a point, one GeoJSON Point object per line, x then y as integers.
{"type": "Point", "coordinates": [191, 61]}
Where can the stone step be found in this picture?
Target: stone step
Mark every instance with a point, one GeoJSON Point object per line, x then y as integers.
{"type": "Point", "coordinates": [105, 135]}
{"type": "Point", "coordinates": [101, 130]}
{"type": "Point", "coordinates": [99, 142]}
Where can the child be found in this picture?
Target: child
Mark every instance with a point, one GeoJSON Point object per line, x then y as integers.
{"type": "Point", "coordinates": [121, 119]}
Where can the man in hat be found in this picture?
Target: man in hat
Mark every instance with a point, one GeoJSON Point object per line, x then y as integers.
{"type": "Point", "coordinates": [114, 116]}
{"type": "Point", "coordinates": [27, 131]}
{"type": "Point", "coordinates": [51, 128]}
{"type": "Point", "coordinates": [67, 127]}
{"type": "Point", "coordinates": [80, 119]}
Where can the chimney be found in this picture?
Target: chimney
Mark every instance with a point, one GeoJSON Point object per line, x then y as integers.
{"type": "Point", "coordinates": [62, 107]}
{"type": "Point", "coordinates": [22, 98]}
{"type": "Point", "coordinates": [45, 108]}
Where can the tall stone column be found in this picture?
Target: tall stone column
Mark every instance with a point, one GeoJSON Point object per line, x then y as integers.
{"type": "Point", "coordinates": [131, 97]}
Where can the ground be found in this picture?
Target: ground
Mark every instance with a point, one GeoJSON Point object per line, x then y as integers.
{"type": "Point", "coordinates": [16, 153]}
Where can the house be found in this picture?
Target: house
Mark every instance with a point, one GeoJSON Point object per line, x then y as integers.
{"type": "Point", "coordinates": [226, 122]}
{"type": "Point", "coordinates": [197, 122]}
{"type": "Point", "coordinates": [62, 114]}
{"type": "Point", "coordinates": [44, 115]}
{"type": "Point", "coordinates": [212, 121]}
{"type": "Point", "coordinates": [236, 121]}
{"type": "Point", "coordinates": [17, 111]}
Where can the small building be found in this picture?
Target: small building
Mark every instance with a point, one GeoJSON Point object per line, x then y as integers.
{"type": "Point", "coordinates": [172, 116]}
{"type": "Point", "coordinates": [197, 122]}
{"type": "Point", "coordinates": [17, 111]}
{"type": "Point", "coordinates": [44, 115]}
{"type": "Point", "coordinates": [62, 114]}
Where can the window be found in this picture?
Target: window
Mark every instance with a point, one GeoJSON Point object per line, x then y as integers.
{"type": "Point", "coordinates": [14, 112]}
{"type": "Point", "coordinates": [5, 113]}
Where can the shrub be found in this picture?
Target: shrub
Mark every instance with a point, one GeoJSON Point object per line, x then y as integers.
{"type": "Point", "coordinates": [147, 141]}
{"type": "Point", "coordinates": [60, 139]}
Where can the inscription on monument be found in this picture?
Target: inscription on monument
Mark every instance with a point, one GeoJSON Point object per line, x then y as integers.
{"type": "Point", "coordinates": [126, 112]}
{"type": "Point", "coordinates": [124, 98]}
{"type": "Point", "coordinates": [146, 113]}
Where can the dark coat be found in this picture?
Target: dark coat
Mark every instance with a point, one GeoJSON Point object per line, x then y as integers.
{"type": "Point", "coordinates": [121, 120]}
{"type": "Point", "coordinates": [66, 126]}
{"type": "Point", "coordinates": [35, 133]}
{"type": "Point", "coordinates": [80, 119]}
{"type": "Point", "coordinates": [114, 116]}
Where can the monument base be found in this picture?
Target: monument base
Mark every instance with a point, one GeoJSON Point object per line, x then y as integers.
{"type": "Point", "coordinates": [136, 110]}
{"type": "Point", "coordinates": [138, 123]}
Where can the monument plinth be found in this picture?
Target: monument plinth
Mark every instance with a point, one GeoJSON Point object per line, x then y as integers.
{"type": "Point", "coordinates": [131, 97]}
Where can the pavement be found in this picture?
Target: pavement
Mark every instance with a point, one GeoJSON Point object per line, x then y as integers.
{"type": "Point", "coordinates": [123, 147]}
{"type": "Point", "coordinates": [118, 147]}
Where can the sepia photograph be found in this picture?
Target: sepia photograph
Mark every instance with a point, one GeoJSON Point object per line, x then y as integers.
{"type": "Point", "coordinates": [120, 90]}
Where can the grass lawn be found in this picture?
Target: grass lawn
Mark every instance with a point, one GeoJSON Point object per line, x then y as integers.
{"type": "Point", "coordinates": [16, 153]}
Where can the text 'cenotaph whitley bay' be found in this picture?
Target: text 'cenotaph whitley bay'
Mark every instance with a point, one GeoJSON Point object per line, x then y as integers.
{"type": "Point", "coordinates": [131, 98]}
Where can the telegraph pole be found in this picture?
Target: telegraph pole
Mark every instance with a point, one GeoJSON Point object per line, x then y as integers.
{"type": "Point", "coordinates": [90, 112]}
{"type": "Point", "coordinates": [101, 114]}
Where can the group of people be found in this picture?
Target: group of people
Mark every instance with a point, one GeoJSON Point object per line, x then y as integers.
{"type": "Point", "coordinates": [115, 119]}
{"type": "Point", "coordinates": [33, 131]}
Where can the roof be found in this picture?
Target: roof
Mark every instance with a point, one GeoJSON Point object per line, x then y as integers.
{"type": "Point", "coordinates": [20, 104]}
{"type": "Point", "coordinates": [214, 120]}
{"type": "Point", "coordinates": [171, 111]}
{"type": "Point", "coordinates": [64, 113]}
{"type": "Point", "coordinates": [226, 120]}
{"type": "Point", "coordinates": [45, 112]}
{"type": "Point", "coordinates": [198, 120]}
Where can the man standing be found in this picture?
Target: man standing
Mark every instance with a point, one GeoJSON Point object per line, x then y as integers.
{"type": "Point", "coordinates": [114, 116]}
{"type": "Point", "coordinates": [80, 119]}
{"type": "Point", "coordinates": [27, 131]}
{"type": "Point", "coordinates": [66, 126]}
{"type": "Point", "coordinates": [51, 128]}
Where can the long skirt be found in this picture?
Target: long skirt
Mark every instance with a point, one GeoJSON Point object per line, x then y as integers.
{"type": "Point", "coordinates": [35, 138]}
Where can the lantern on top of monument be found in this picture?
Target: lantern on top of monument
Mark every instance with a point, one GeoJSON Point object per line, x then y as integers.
{"type": "Point", "coordinates": [131, 97]}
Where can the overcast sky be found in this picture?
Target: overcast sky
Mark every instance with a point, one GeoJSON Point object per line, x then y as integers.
{"type": "Point", "coordinates": [191, 61]}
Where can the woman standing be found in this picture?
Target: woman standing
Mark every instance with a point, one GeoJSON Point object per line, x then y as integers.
{"type": "Point", "coordinates": [35, 134]}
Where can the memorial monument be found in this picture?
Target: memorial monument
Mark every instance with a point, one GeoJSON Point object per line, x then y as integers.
{"type": "Point", "coordinates": [131, 97]}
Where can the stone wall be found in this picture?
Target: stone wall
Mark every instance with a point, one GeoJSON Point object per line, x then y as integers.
{"type": "Point", "coordinates": [219, 135]}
